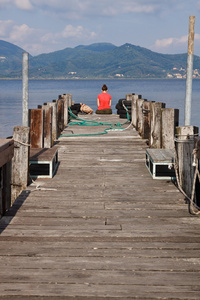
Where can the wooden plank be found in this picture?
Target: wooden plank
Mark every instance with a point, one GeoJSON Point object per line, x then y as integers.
{"type": "Point", "coordinates": [42, 154]}
{"type": "Point", "coordinates": [100, 229]}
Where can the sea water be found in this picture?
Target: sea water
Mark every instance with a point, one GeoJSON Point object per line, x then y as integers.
{"type": "Point", "coordinates": [171, 92]}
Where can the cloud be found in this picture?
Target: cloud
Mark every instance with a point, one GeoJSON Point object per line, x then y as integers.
{"type": "Point", "coordinates": [171, 45]}
{"type": "Point", "coordinates": [37, 41]}
{"type": "Point", "coordinates": [70, 35]}
{"type": "Point", "coordinates": [22, 33]}
{"type": "Point", "coordinates": [77, 32]}
{"type": "Point", "coordinates": [21, 4]}
{"type": "Point", "coordinates": [5, 27]}
{"type": "Point", "coordinates": [77, 9]}
{"type": "Point", "coordinates": [171, 41]}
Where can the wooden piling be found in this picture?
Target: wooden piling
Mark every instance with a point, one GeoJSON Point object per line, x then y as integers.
{"type": "Point", "coordinates": [69, 96]}
{"type": "Point", "coordinates": [6, 192]}
{"type": "Point", "coordinates": [170, 120]}
{"type": "Point", "coordinates": [65, 98]}
{"type": "Point", "coordinates": [47, 126]}
{"type": "Point", "coordinates": [6, 155]}
{"type": "Point", "coordinates": [20, 161]}
{"type": "Point", "coordinates": [188, 92]}
{"type": "Point", "coordinates": [146, 120]}
{"type": "Point", "coordinates": [53, 106]}
{"type": "Point", "coordinates": [133, 109]}
{"type": "Point", "coordinates": [139, 114]}
{"type": "Point", "coordinates": [129, 97]}
{"type": "Point", "coordinates": [1, 192]}
{"type": "Point", "coordinates": [155, 135]}
{"type": "Point", "coordinates": [25, 92]}
{"type": "Point", "coordinates": [60, 116]}
{"type": "Point", "coordinates": [184, 149]}
{"type": "Point", "coordinates": [36, 128]}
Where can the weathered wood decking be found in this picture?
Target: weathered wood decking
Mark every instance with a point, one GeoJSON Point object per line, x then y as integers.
{"type": "Point", "coordinates": [102, 228]}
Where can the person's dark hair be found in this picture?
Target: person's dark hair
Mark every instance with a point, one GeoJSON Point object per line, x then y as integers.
{"type": "Point", "coordinates": [104, 87]}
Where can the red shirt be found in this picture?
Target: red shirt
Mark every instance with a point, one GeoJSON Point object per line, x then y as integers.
{"type": "Point", "coordinates": [104, 101]}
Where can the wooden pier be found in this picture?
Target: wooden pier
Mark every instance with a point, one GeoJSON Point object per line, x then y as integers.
{"type": "Point", "coordinates": [101, 228]}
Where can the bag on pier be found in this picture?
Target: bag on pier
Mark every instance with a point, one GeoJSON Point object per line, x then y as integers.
{"type": "Point", "coordinates": [86, 109]}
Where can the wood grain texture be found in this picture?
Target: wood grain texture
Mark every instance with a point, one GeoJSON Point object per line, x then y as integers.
{"type": "Point", "coordinates": [101, 228]}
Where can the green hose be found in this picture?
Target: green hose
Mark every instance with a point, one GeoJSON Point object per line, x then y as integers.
{"type": "Point", "coordinates": [82, 122]}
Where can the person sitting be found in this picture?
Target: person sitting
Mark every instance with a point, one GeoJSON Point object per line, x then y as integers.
{"type": "Point", "coordinates": [104, 102]}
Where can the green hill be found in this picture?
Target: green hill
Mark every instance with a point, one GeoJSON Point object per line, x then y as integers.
{"type": "Point", "coordinates": [100, 60]}
{"type": "Point", "coordinates": [10, 59]}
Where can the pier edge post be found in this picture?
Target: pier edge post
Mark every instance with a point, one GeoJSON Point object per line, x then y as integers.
{"type": "Point", "coordinates": [25, 68]}
{"type": "Point", "coordinates": [20, 161]}
{"type": "Point", "coordinates": [188, 93]}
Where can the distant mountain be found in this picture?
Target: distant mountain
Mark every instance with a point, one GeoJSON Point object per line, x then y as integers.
{"type": "Point", "coordinates": [100, 60]}
{"type": "Point", "coordinates": [98, 47]}
{"type": "Point", "coordinates": [10, 59]}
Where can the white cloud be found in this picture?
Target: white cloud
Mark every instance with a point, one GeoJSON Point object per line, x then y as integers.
{"type": "Point", "coordinates": [172, 45]}
{"type": "Point", "coordinates": [5, 27]}
{"type": "Point", "coordinates": [21, 4]}
{"type": "Point", "coordinates": [69, 35]}
{"type": "Point", "coordinates": [37, 41]}
{"type": "Point", "coordinates": [171, 41]}
{"type": "Point", "coordinates": [21, 33]}
{"type": "Point", "coordinates": [77, 32]}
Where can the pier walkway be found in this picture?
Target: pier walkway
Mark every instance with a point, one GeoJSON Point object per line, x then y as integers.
{"type": "Point", "coordinates": [102, 228]}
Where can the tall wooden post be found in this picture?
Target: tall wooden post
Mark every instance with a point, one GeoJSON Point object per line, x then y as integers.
{"type": "Point", "coordinates": [25, 121]}
{"type": "Point", "coordinates": [188, 93]}
{"type": "Point", "coordinates": [60, 116]}
{"type": "Point", "coordinates": [155, 136]}
{"type": "Point", "coordinates": [37, 128]}
{"type": "Point", "coordinates": [146, 120]}
{"type": "Point", "coordinates": [6, 155]}
{"type": "Point", "coordinates": [66, 104]}
{"type": "Point", "coordinates": [133, 109]}
{"type": "Point", "coordinates": [47, 126]}
{"type": "Point", "coordinates": [69, 99]}
{"type": "Point", "coordinates": [184, 148]}
{"type": "Point", "coordinates": [20, 161]}
{"type": "Point", "coordinates": [139, 113]}
{"type": "Point", "coordinates": [170, 120]}
{"type": "Point", "coordinates": [53, 106]}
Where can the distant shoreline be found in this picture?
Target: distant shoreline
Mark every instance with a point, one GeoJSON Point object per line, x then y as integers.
{"type": "Point", "coordinates": [119, 79]}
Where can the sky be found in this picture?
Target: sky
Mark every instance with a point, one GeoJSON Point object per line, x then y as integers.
{"type": "Point", "coordinates": [44, 26]}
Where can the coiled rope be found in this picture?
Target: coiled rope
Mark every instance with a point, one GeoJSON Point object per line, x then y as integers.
{"type": "Point", "coordinates": [81, 122]}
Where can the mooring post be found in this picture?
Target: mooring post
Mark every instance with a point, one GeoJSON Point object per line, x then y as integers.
{"type": "Point", "coordinates": [170, 120]}
{"type": "Point", "coordinates": [146, 127]}
{"type": "Point", "coordinates": [25, 121]}
{"type": "Point", "coordinates": [20, 161]}
{"type": "Point", "coordinates": [60, 116]}
{"type": "Point", "coordinates": [66, 104]}
{"type": "Point", "coordinates": [188, 93]}
{"type": "Point", "coordinates": [133, 109]}
{"type": "Point", "coordinates": [37, 128]}
{"type": "Point", "coordinates": [155, 140]}
{"type": "Point", "coordinates": [69, 99]}
{"type": "Point", "coordinates": [140, 116]}
{"type": "Point", "coordinates": [6, 155]}
{"type": "Point", "coordinates": [47, 126]}
{"type": "Point", "coordinates": [185, 140]}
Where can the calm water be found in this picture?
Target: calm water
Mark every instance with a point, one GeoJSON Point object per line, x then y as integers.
{"type": "Point", "coordinates": [172, 92]}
